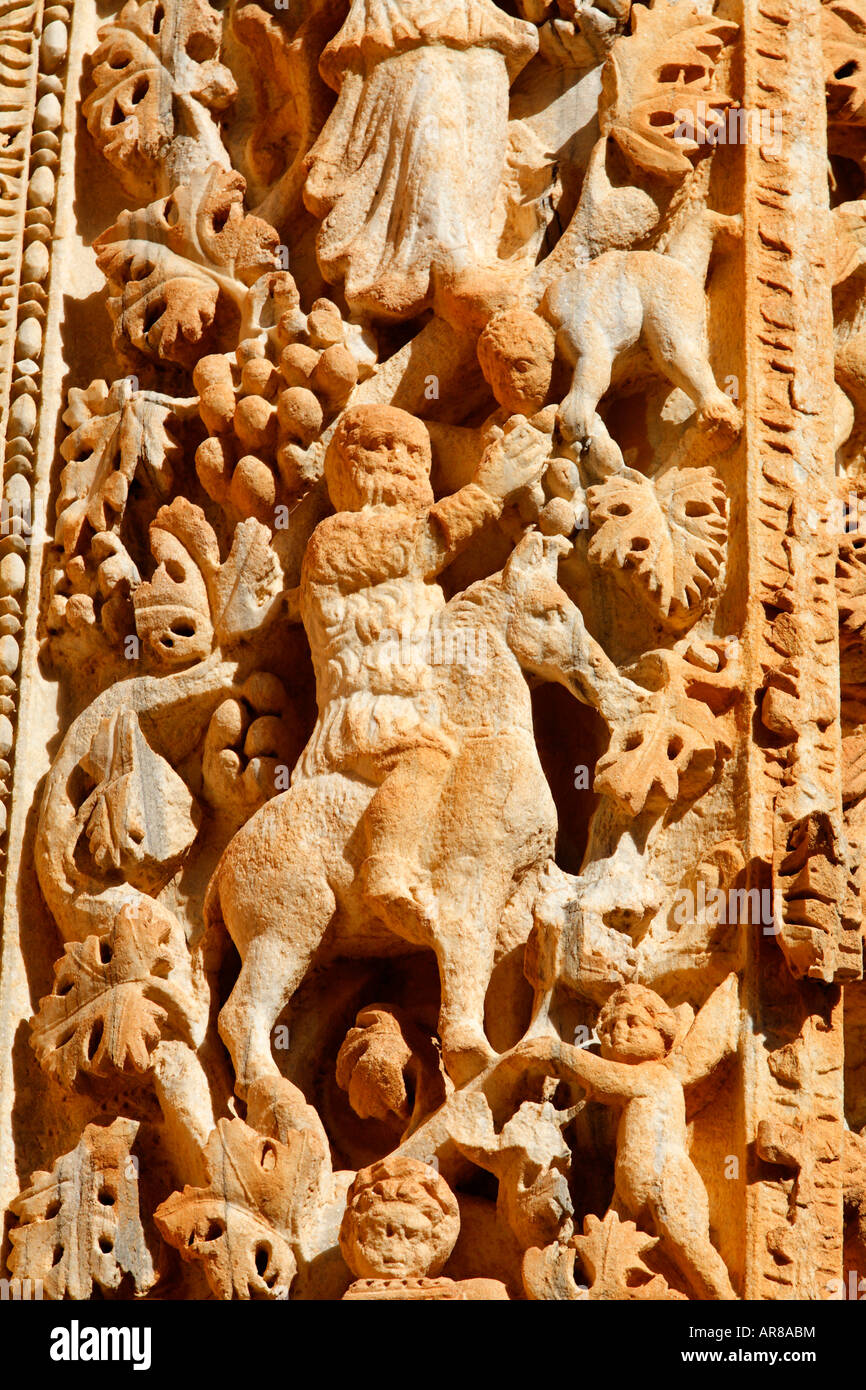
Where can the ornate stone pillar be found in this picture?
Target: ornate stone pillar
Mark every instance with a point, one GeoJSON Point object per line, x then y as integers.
{"type": "Point", "coordinates": [432, 688]}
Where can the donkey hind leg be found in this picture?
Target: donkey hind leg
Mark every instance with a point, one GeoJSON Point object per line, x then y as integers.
{"type": "Point", "coordinates": [465, 949]}
{"type": "Point", "coordinates": [275, 897]}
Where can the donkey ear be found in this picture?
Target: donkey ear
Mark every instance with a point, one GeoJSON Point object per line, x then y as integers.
{"type": "Point", "coordinates": [526, 556]}
{"type": "Point", "coordinates": [536, 554]}
{"type": "Point", "coordinates": [554, 548]}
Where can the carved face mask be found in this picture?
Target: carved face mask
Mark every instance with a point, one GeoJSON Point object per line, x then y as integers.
{"type": "Point", "coordinates": [379, 455]}
{"type": "Point", "coordinates": [401, 1222]}
{"type": "Point", "coordinates": [396, 1240]}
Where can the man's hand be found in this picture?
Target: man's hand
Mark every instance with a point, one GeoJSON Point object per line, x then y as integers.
{"type": "Point", "coordinates": [515, 461]}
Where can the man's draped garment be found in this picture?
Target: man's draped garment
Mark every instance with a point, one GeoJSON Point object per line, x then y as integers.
{"type": "Point", "coordinates": [407, 169]}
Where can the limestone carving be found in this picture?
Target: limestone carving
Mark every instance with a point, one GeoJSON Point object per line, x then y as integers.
{"type": "Point", "coordinates": [156, 82]}
{"type": "Point", "coordinates": [648, 1058]}
{"type": "Point", "coordinates": [405, 208]}
{"type": "Point", "coordinates": [606, 307]}
{"type": "Point", "coordinates": [432, 681]}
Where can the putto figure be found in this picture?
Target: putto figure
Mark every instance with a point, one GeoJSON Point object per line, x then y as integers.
{"type": "Point", "coordinates": [647, 1061]}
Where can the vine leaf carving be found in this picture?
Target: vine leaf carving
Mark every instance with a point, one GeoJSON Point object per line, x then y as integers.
{"type": "Point", "coordinates": [241, 1226]}
{"type": "Point", "coordinates": [612, 1255]}
{"type": "Point", "coordinates": [669, 534]}
{"type": "Point", "coordinates": [105, 1013]}
{"type": "Point", "coordinates": [180, 270]}
{"type": "Point", "coordinates": [658, 82]}
{"type": "Point", "coordinates": [156, 80]}
{"type": "Point", "coordinates": [669, 751]}
{"type": "Point", "coordinates": [657, 759]}
{"type": "Point", "coordinates": [114, 436]}
{"type": "Point", "coordinates": [246, 588]}
{"type": "Point", "coordinates": [79, 1224]}
{"type": "Point", "coordinates": [193, 599]}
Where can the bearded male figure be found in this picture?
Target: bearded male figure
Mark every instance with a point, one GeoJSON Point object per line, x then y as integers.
{"type": "Point", "coordinates": [419, 802]}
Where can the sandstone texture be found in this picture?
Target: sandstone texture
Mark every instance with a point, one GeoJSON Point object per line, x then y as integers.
{"type": "Point", "coordinates": [433, 649]}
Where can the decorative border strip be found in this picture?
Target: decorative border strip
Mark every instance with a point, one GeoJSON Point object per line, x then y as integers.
{"type": "Point", "coordinates": [794, 1081]}
{"type": "Point", "coordinates": [34, 44]}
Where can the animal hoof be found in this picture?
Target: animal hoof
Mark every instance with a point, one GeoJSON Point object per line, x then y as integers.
{"type": "Point", "coordinates": [465, 1058]}
{"type": "Point", "coordinates": [573, 431]}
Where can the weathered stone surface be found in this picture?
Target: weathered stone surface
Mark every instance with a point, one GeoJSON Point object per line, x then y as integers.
{"type": "Point", "coordinates": [432, 676]}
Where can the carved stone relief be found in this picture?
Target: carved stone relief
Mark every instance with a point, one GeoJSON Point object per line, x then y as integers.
{"type": "Point", "coordinates": [432, 679]}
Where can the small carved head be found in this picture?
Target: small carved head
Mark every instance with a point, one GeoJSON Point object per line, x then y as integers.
{"type": "Point", "coordinates": [379, 454]}
{"type": "Point", "coordinates": [401, 1221]}
{"type": "Point", "coordinates": [636, 1025]}
{"type": "Point", "coordinates": [516, 352]}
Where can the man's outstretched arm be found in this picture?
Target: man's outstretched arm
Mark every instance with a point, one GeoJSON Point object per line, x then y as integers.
{"type": "Point", "coordinates": [508, 465]}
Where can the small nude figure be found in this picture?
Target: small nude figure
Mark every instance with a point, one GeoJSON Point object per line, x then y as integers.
{"type": "Point", "coordinates": [604, 308]}
{"type": "Point", "coordinates": [647, 1060]}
